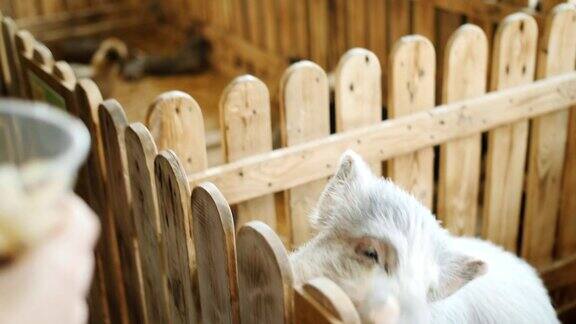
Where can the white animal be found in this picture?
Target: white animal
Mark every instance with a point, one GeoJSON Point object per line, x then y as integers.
{"type": "Point", "coordinates": [380, 244]}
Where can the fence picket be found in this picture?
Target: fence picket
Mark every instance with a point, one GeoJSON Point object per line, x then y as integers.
{"type": "Point", "coordinates": [89, 98]}
{"type": "Point", "coordinates": [175, 215]}
{"type": "Point", "coordinates": [9, 30]}
{"type": "Point", "coordinates": [358, 93]}
{"type": "Point", "coordinates": [246, 125]}
{"type": "Point", "coordinates": [140, 152]}
{"type": "Point", "coordinates": [176, 123]}
{"type": "Point", "coordinates": [513, 63]}
{"type": "Point", "coordinates": [215, 246]}
{"type": "Point", "coordinates": [321, 301]}
{"type": "Point", "coordinates": [112, 125]}
{"type": "Point", "coordinates": [465, 73]}
{"type": "Point", "coordinates": [264, 276]}
{"type": "Point", "coordinates": [304, 116]}
{"type": "Point", "coordinates": [548, 139]}
{"type": "Point", "coordinates": [411, 89]}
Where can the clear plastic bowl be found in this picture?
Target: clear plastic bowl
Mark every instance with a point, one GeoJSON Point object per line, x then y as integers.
{"type": "Point", "coordinates": [54, 141]}
{"type": "Point", "coordinates": [41, 151]}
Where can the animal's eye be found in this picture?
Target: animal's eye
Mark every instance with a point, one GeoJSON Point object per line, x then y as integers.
{"type": "Point", "coordinates": [371, 253]}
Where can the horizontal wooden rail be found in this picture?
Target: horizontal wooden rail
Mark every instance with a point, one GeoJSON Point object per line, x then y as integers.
{"type": "Point", "coordinates": [289, 167]}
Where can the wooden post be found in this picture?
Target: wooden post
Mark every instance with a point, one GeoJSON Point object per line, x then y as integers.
{"type": "Point", "coordinates": [321, 301]}
{"type": "Point", "coordinates": [89, 98]}
{"type": "Point", "coordinates": [304, 116]}
{"type": "Point", "coordinates": [140, 152]}
{"type": "Point", "coordinates": [411, 89]}
{"type": "Point", "coordinates": [264, 276]}
{"type": "Point", "coordinates": [215, 246]}
{"type": "Point", "coordinates": [465, 73]}
{"type": "Point", "coordinates": [513, 64]}
{"type": "Point", "coordinates": [112, 125]}
{"type": "Point", "coordinates": [175, 216]}
{"type": "Point", "coordinates": [247, 130]}
{"type": "Point", "coordinates": [176, 123]}
{"type": "Point", "coordinates": [358, 93]}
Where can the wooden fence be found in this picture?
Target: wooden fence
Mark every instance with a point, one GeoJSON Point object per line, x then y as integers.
{"type": "Point", "coordinates": [171, 248]}
{"type": "Point", "coordinates": [51, 20]}
{"type": "Point", "coordinates": [263, 37]}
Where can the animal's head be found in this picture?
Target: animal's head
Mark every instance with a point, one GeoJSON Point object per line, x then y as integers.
{"type": "Point", "coordinates": [370, 229]}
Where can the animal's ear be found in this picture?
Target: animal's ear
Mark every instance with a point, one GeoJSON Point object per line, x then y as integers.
{"type": "Point", "coordinates": [455, 272]}
{"type": "Point", "coordinates": [351, 171]}
{"type": "Point", "coordinates": [351, 167]}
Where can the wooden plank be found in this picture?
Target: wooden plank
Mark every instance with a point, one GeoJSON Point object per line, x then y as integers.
{"type": "Point", "coordinates": [556, 55]}
{"type": "Point", "coordinates": [318, 23]}
{"type": "Point", "coordinates": [356, 23]}
{"type": "Point", "coordinates": [23, 47]}
{"type": "Point", "coordinates": [246, 126]}
{"type": "Point", "coordinates": [358, 93]}
{"type": "Point", "coordinates": [140, 152]}
{"type": "Point", "coordinates": [176, 123]}
{"type": "Point", "coordinates": [49, 7]}
{"type": "Point", "coordinates": [25, 8]}
{"type": "Point", "coordinates": [293, 166]}
{"type": "Point", "coordinates": [112, 125]}
{"type": "Point", "coordinates": [377, 36]}
{"type": "Point", "coordinates": [265, 282]}
{"type": "Point", "coordinates": [465, 73]}
{"type": "Point", "coordinates": [411, 89]}
{"type": "Point", "coordinates": [494, 11]}
{"type": "Point", "coordinates": [215, 246]}
{"type": "Point", "coordinates": [285, 27]}
{"type": "Point", "coordinates": [566, 242]}
{"type": "Point", "coordinates": [270, 25]}
{"type": "Point", "coordinates": [175, 216]}
{"type": "Point", "coordinates": [301, 34]}
{"type": "Point", "coordinates": [253, 19]}
{"type": "Point", "coordinates": [424, 19]}
{"type": "Point", "coordinates": [449, 22]}
{"type": "Point", "coordinates": [89, 98]}
{"type": "Point", "coordinates": [322, 301]}
{"type": "Point", "coordinates": [560, 273]}
{"type": "Point", "coordinates": [12, 62]}
{"type": "Point", "coordinates": [546, 6]}
{"type": "Point", "coordinates": [513, 64]}
{"type": "Point", "coordinates": [304, 116]}
{"type": "Point", "coordinates": [337, 32]}
{"type": "Point", "coordinates": [399, 20]}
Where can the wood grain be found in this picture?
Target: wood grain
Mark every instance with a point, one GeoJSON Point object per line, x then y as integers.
{"type": "Point", "coordinates": [358, 93]}
{"type": "Point", "coordinates": [556, 55]}
{"type": "Point", "coordinates": [175, 218]}
{"type": "Point", "coordinates": [289, 167]}
{"type": "Point", "coordinates": [264, 276]}
{"type": "Point", "coordinates": [140, 152]}
{"type": "Point", "coordinates": [322, 301]}
{"type": "Point", "coordinates": [465, 73]}
{"type": "Point", "coordinates": [513, 64]}
{"type": "Point", "coordinates": [411, 87]}
{"type": "Point", "coordinates": [246, 127]}
{"type": "Point", "coordinates": [304, 116]}
{"type": "Point", "coordinates": [112, 125]}
{"type": "Point", "coordinates": [89, 98]}
{"type": "Point", "coordinates": [176, 123]}
{"type": "Point", "coordinates": [215, 246]}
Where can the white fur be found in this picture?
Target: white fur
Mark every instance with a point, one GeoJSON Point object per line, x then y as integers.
{"type": "Point", "coordinates": [422, 272]}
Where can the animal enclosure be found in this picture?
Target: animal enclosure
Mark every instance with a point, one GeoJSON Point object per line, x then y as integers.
{"type": "Point", "coordinates": [496, 159]}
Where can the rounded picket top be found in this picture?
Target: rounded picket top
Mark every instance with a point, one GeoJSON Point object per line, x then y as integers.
{"type": "Point", "coordinates": [515, 41]}
{"type": "Point", "coordinates": [264, 275]}
{"type": "Point", "coordinates": [331, 297]}
{"type": "Point", "coordinates": [42, 55]}
{"type": "Point", "coordinates": [174, 212]}
{"type": "Point", "coordinates": [558, 45]}
{"type": "Point", "coordinates": [64, 72]}
{"type": "Point", "coordinates": [245, 118]}
{"type": "Point", "coordinates": [466, 49]}
{"type": "Point", "coordinates": [215, 245]}
{"type": "Point", "coordinates": [358, 90]}
{"type": "Point", "coordinates": [176, 123]}
{"type": "Point", "coordinates": [305, 103]}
